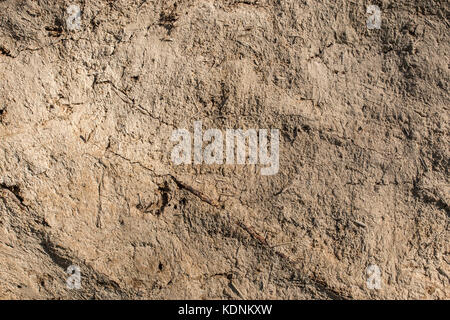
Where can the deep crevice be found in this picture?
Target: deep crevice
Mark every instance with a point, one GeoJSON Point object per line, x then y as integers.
{"type": "Point", "coordinates": [15, 190]}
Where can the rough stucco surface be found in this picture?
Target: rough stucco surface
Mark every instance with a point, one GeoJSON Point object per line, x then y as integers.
{"type": "Point", "coordinates": [86, 177]}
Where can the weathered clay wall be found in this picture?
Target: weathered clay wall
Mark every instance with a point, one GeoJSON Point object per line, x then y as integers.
{"type": "Point", "coordinates": [86, 176]}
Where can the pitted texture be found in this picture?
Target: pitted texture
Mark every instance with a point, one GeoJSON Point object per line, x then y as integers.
{"type": "Point", "coordinates": [86, 177]}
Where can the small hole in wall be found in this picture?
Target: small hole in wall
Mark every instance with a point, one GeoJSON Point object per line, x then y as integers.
{"type": "Point", "coordinates": [160, 266]}
{"type": "Point", "coordinates": [306, 128]}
